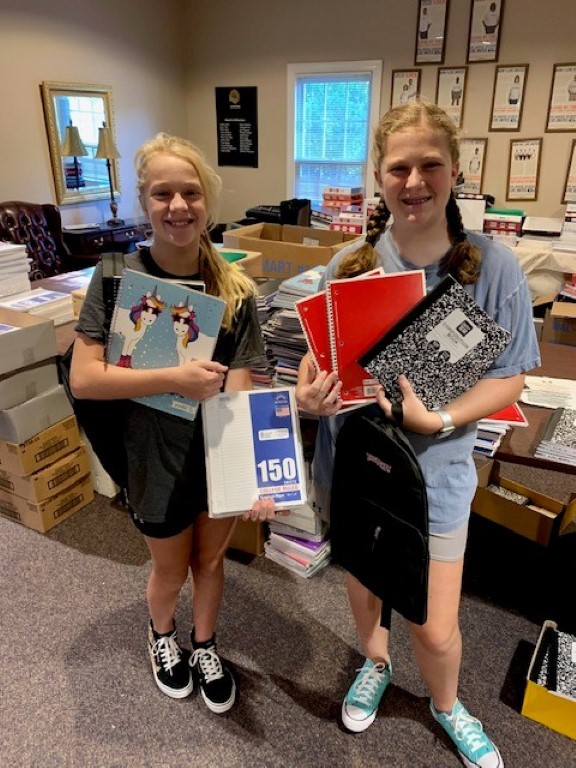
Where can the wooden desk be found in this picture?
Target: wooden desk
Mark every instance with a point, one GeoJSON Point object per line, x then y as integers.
{"type": "Point", "coordinates": [519, 444]}
{"type": "Point", "coordinates": [89, 244]}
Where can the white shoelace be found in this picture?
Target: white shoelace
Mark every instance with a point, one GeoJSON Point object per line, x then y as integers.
{"type": "Point", "coordinates": [167, 651]}
{"type": "Point", "coordinates": [209, 662]}
{"type": "Point", "coordinates": [469, 729]}
{"type": "Point", "coordinates": [367, 687]}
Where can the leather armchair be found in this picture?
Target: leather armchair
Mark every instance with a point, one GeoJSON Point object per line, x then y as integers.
{"type": "Point", "coordinates": [38, 226]}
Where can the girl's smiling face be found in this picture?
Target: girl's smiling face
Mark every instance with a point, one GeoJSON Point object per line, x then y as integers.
{"type": "Point", "coordinates": [416, 177]}
{"type": "Point", "coordinates": [174, 201]}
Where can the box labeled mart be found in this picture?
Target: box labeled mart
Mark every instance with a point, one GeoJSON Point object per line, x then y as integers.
{"type": "Point", "coordinates": [288, 250]}
{"type": "Point", "coordinates": [51, 480]}
{"type": "Point", "coordinates": [537, 524]}
{"type": "Point", "coordinates": [44, 448]}
{"type": "Point", "coordinates": [24, 340]}
{"type": "Point", "coordinates": [560, 323]}
{"type": "Point", "coordinates": [549, 707]}
{"type": "Point", "coordinates": [44, 515]}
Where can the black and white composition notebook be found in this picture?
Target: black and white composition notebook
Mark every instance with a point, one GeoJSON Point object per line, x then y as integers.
{"type": "Point", "coordinates": [444, 345]}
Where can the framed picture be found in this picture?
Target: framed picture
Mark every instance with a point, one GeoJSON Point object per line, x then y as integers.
{"type": "Point", "coordinates": [570, 183]}
{"type": "Point", "coordinates": [484, 32]}
{"type": "Point", "coordinates": [508, 98]}
{"type": "Point", "coordinates": [431, 32]}
{"type": "Point", "coordinates": [405, 86]}
{"type": "Point", "coordinates": [524, 169]}
{"type": "Point", "coordinates": [562, 103]}
{"type": "Point", "coordinates": [450, 90]}
{"type": "Point", "coordinates": [472, 157]}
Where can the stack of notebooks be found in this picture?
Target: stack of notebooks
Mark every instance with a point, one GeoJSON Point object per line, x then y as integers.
{"type": "Point", "coordinates": [52, 305]}
{"type": "Point", "coordinates": [294, 288]}
{"type": "Point", "coordinates": [558, 441]}
{"type": "Point", "coordinates": [264, 375]}
{"type": "Point", "coordinates": [284, 340]}
{"type": "Point", "coordinates": [300, 551]}
{"type": "Point", "coordinates": [14, 269]}
{"type": "Point", "coordinates": [492, 429]}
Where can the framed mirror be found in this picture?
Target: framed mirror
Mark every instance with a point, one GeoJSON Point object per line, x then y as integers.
{"type": "Point", "coordinates": [74, 112]}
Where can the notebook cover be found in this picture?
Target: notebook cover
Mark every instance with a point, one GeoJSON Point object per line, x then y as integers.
{"type": "Point", "coordinates": [360, 311]}
{"type": "Point", "coordinates": [183, 326]}
{"type": "Point", "coordinates": [444, 346]}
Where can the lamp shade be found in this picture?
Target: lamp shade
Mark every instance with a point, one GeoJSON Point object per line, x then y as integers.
{"type": "Point", "coordinates": [106, 146]}
{"type": "Point", "coordinates": [72, 145]}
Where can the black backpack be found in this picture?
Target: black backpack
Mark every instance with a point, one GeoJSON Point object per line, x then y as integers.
{"type": "Point", "coordinates": [379, 513]}
{"type": "Point", "coordinates": [103, 420]}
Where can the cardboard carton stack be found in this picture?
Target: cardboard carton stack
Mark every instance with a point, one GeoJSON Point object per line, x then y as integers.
{"type": "Point", "coordinates": [44, 470]}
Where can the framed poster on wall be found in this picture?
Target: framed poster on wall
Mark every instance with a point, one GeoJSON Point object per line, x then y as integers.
{"type": "Point", "coordinates": [508, 98]}
{"type": "Point", "coordinates": [472, 163]}
{"type": "Point", "coordinates": [431, 32]}
{"type": "Point", "coordinates": [562, 102]}
{"type": "Point", "coordinates": [484, 32]}
{"type": "Point", "coordinates": [524, 169]}
{"type": "Point", "coordinates": [237, 126]}
{"type": "Point", "coordinates": [570, 183]}
{"type": "Point", "coordinates": [405, 86]}
{"type": "Point", "coordinates": [450, 91]}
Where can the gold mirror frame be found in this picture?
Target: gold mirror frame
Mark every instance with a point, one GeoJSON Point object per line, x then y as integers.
{"type": "Point", "coordinates": [57, 100]}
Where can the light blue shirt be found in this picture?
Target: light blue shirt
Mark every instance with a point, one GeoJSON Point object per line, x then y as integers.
{"type": "Point", "coordinates": [447, 464]}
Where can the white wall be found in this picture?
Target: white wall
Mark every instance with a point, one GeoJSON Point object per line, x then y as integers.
{"type": "Point", "coordinates": [137, 48]}
{"type": "Point", "coordinates": [249, 43]}
{"type": "Point", "coordinates": [164, 59]}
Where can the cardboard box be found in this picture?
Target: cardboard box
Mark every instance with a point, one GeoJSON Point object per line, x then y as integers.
{"type": "Point", "coordinates": [552, 709]}
{"type": "Point", "coordinates": [78, 296]}
{"type": "Point", "coordinates": [536, 525]}
{"type": "Point", "coordinates": [288, 250]}
{"type": "Point", "coordinates": [42, 449]}
{"type": "Point", "coordinates": [560, 323]}
{"type": "Point", "coordinates": [44, 515]}
{"type": "Point", "coordinates": [53, 479]}
{"type": "Point", "coordinates": [248, 536]}
{"type": "Point", "coordinates": [23, 421]}
{"type": "Point", "coordinates": [249, 261]}
{"type": "Point", "coordinates": [24, 340]}
{"type": "Point", "coordinates": [26, 383]}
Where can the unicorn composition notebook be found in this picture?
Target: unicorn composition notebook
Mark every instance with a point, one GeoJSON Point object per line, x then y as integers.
{"type": "Point", "coordinates": [158, 324]}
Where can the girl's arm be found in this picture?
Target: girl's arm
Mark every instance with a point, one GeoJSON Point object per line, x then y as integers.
{"type": "Point", "coordinates": [92, 378]}
{"type": "Point", "coordinates": [484, 398]}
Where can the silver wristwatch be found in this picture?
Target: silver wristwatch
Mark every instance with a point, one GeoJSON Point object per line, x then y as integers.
{"type": "Point", "coordinates": [447, 424]}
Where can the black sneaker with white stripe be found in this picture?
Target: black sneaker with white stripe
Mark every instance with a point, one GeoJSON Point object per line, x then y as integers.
{"type": "Point", "coordinates": [216, 681]}
{"type": "Point", "coordinates": [170, 665]}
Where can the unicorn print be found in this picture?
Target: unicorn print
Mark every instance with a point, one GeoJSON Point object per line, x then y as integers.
{"type": "Point", "coordinates": [186, 330]}
{"type": "Point", "coordinates": [132, 324]}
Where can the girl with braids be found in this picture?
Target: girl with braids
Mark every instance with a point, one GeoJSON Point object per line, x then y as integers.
{"type": "Point", "coordinates": [416, 162]}
{"type": "Point", "coordinates": [166, 491]}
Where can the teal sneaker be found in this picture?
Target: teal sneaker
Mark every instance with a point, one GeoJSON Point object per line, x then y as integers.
{"type": "Point", "coordinates": [474, 747]}
{"type": "Point", "coordinates": [361, 704]}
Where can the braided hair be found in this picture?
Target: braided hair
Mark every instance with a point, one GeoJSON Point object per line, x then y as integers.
{"type": "Point", "coordinates": [463, 259]}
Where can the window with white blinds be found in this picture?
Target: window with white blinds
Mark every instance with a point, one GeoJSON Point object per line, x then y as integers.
{"type": "Point", "coordinates": [331, 110]}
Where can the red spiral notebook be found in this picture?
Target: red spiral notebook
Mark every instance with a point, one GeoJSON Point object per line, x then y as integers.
{"type": "Point", "coordinates": [347, 319]}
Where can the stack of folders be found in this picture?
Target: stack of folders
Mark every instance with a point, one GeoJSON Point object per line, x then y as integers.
{"type": "Point", "coordinates": [491, 430]}
{"type": "Point", "coordinates": [14, 269]}
{"type": "Point", "coordinates": [299, 551]}
{"type": "Point", "coordinates": [558, 441]}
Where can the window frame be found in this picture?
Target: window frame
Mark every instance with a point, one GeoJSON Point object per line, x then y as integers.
{"type": "Point", "coordinates": [372, 66]}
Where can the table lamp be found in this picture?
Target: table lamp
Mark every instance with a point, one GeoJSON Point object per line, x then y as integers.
{"type": "Point", "coordinates": [107, 151]}
{"type": "Point", "coordinates": [72, 146]}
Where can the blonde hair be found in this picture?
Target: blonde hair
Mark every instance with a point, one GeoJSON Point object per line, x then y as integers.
{"type": "Point", "coordinates": [463, 259]}
{"type": "Point", "coordinates": [221, 278]}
